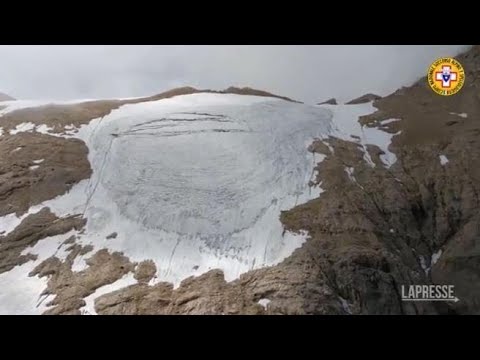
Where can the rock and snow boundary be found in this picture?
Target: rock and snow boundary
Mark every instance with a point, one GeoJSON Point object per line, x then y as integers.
{"type": "Point", "coordinates": [195, 182]}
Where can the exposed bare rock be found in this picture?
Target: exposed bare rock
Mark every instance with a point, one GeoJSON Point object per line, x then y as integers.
{"type": "Point", "coordinates": [145, 271]}
{"type": "Point", "coordinates": [70, 240]}
{"type": "Point", "coordinates": [72, 287]}
{"type": "Point", "coordinates": [287, 287]}
{"type": "Point", "coordinates": [23, 183]}
{"type": "Point", "coordinates": [31, 230]}
{"type": "Point", "coordinates": [364, 99]}
{"type": "Point", "coordinates": [357, 256]}
{"type": "Point", "coordinates": [85, 249]}
{"type": "Point", "coordinates": [138, 299]}
{"type": "Point", "coordinates": [331, 101]}
{"type": "Point", "coordinates": [57, 116]}
{"type": "Point", "coordinates": [207, 294]}
{"type": "Point", "coordinates": [5, 97]}
{"type": "Point", "coordinates": [112, 236]}
{"type": "Point", "coordinates": [382, 228]}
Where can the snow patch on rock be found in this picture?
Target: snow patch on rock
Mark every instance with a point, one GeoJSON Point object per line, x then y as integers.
{"type": "Point", "coordinates": [436, 256]}
{"type": "Point", "coordinates": [462, 115]}
{"type": "Point", "coordinates": [264, 303]}
{"type": "Point", "coordinates": [345, 124]}
{"type": "Point", "coordinates": [443, 160]}
{"type": "Point", "coordinates": [89, 308]}
{"type": "Point", "coordinates": [23, 127]}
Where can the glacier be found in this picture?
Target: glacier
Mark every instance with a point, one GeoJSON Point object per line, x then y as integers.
{"type": "Point", "coordinates": [198, 182]}
{"type": "Point", "coordinates": [194, 183]}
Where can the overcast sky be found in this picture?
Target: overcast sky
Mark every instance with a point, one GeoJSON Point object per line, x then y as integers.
{"type": "Point", "coordinates": [306, 73]}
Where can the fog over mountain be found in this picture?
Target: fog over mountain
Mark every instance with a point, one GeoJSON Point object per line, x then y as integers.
{"type": "Point", "coordinates": [307, 73]}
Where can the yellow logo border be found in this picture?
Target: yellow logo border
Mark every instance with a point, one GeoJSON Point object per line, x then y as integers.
{"type": "Point", "coordinates": [432, 82]}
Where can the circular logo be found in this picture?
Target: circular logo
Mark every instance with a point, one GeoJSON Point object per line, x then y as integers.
{"type": "Point", "coordinates": [446, 76]}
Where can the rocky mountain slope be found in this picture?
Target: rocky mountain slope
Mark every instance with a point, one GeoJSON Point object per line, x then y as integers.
{"type": "Point", "coordinates": [5, 97]}
{"type": "Point", "coordinates": [414, 222]}
{"type": "Point", "coordinates": [391, 199]}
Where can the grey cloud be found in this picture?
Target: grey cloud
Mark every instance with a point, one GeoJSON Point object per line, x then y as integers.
{"type": "Point", "coordinates": [307, 73]}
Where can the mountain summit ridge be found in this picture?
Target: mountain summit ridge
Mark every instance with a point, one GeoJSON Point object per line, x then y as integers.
{"type": "Point", "coordinates": [5, 97]}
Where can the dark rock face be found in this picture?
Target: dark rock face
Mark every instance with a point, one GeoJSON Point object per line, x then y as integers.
{"type": "Point", "coordinates": [331, 101]}
{"type": "Point", "coordinates": [112, 236]}
{"type": "Point", "coordinates": [364, 99]}
{"type": "Point", "coordinates": [415, 223]}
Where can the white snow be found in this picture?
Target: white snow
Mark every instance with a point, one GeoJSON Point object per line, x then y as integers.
{"type": "Point", "coordinates": [345, 305]}
{"type": "Point", "coordinates": [35, 167]}
{"type": "Point", "coordinates": [10, 221]}
{"type": "Point", "coordinates": [44, 129]}
{"type": "Point", "coordinates": [89, 308]}
{"type": "Point", "coordinates": [330, 147]}
{"type": "Point", "coordinates": [17, 149]}
{"type": "Point", "coordinates": [436, 256]}
{"type": "Point", "coordinates": [462, 115]}
{"type": "Point", "coordinates": [79, 263]}
{"type": "Point", "coordinates": [264, 303]}
{"type": "Point", "coordinates": [20, 294]}
{"type": "Point", "coordinates": [351, 177]}
{"type": "Point", "coordinates": [392, 231]}
{"type": "Point", "coordinates": [23, 127]}
{"type": "Point", "coordinates": [443, 160]}
{"type": "Point", "coordinates": [1, 131]}
{"type": "Point", "coordinates": [388, 121]}
{"type": "Point", "coordinates": [316, 190]}
{"type": "Point", "coordinates": [346, 124]}
{"type": "Point", "coordinates": [349, 171]}
{"type": "Point", "coordinates": [51, 246]}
